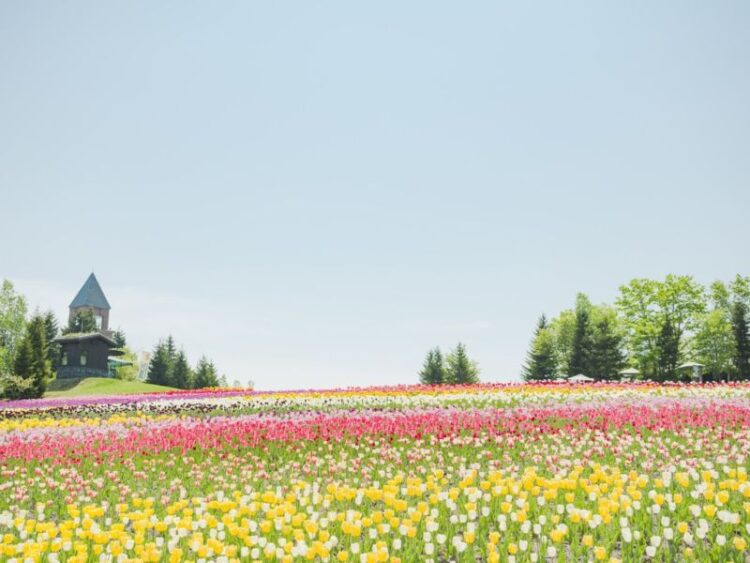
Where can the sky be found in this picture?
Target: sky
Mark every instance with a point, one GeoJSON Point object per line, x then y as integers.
{"type": "Point", "coordinates": [313, 194]}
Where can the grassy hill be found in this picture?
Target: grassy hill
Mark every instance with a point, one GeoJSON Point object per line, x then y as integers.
{"type": "Point", "coordinates": [99, 386]}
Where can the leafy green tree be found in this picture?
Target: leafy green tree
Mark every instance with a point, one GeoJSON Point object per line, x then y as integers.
{"type": "Point", "coordinates": [714, 343]}
{"type": "Point", "coordinates": [182, 376]}
{"type": "Point", "coordinates": [433, 370]}
{"type": "Point", "coordinates": [658, 314]}
{"type": "Point", "coordinates": [562, 329]}
{"type": "Point", "coordinates": [541, 362]}
{"type": "Point", "coordinates": [160, 367]}
{"type": "Point", "coordinates": [82, 322]}
{"type": "Point", "coordinates": [130, 371]}
{"type": "Point", "coordinates": [12, 325]}
{"type": "Point", "coordinates": [461, 369]}
{"type": "Point", "coordinates": [205, 374]}
{"type": "Point", "coordinates": [741, 356]}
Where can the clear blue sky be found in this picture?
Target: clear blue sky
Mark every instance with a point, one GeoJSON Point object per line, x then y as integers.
{"type": "Point", "coordinates": [313, 194]}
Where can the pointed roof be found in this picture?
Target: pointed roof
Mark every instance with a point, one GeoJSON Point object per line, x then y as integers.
{"type": "Point", "coordinates": [90, 295]}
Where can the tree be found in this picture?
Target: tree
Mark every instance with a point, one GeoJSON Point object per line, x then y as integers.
{"type": "Point", "coordinates": [119, 337]}
{"type": "Point", "coordinates": [659, 313]}
{"type": "Point", "coordinates": [82, 322]}
{"type": "Point", "coordinates": [181, 373]}
{"type": "Point", "coordinates": [580, 353]}
{"type": "Point", "coordinates": [160, 367]}
{"type": "Point", "coordinates": [205, 374]}
{"type": "Point", "coordinates": [562, 329]}
{"type": "Point", "coordinates": [541, 359]}
{"type": "Point", "coordinates": [461, 369]}
{"type": "Point", "coordinates": [12, 325]}
{"type": "Point", "coordinates": [668, 350]}
{"type": "Point", "coordinates": [128, 372]}
{"type": "Point", "coordinates": [741, 356]}
{"type": "Point", "coordinates": [714, 343]}
{"type": "Point", "coordinates": [433, 370]}
{"type": "Point", "coordinates": [606, 357]}
{"type": "Point", "coordinates": [32, 364]}
{"type": "Point", "coordinates": [50, 331]}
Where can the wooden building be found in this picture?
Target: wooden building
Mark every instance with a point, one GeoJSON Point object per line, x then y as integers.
{"type": "Point", "coordinates": [88, 354]}
{"type": "Point", "coordinates": [84, 355]}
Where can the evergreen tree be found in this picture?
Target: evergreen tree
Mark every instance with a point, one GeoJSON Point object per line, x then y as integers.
{"type": "Point", "coordinates": [171, 348]}
{"type": "Point", "coordinates": [119, 338]}
{"type": "Point", "coordinates": [741, 358]}
{"type": "Point", "coordinates": [607, 357]}
{"type": "Point", "coordinates": [433, 370]}
{"type": "Point", "coordinates": [81, 322]}
{"type": "Point", "coordinates": [541, 362]}
{"type": "Point", "coordinates": [160, 368]}
{"type": "Point", "coordinates": [205, 374]}
{"type": "Point", "coordinates": [580, 353]}
{"type": "Point", "coordinates": [181, 373]}
{"type": "Point", "coordinates": [50, 331]}
{"type": "Point", "coordinates": [461, 369]}
{"type": "Point", "coordinates": [32, 364]}
{"type": "Point", "coordinates": [668, 346]}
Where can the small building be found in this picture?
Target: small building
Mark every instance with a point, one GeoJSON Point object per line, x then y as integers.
{"type": "Point", "coordinates": [84, 355]}
{"type": "Point", "coordinates": [88, 354]}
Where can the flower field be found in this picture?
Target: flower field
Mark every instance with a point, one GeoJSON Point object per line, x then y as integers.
{"type": "Point", "coordinates": [548, 472]}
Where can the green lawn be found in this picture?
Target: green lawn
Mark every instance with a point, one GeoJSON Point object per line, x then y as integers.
{"type": "Point", "coordinates": [99, 386]}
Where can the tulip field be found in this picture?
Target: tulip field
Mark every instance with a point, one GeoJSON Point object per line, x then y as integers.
{"type": "Point", "coordinates": [545, 472]}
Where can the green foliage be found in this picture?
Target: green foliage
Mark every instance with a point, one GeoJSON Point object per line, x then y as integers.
{"type": "Point", "coordinates": [119, 337]}
{"type": "Point", "coordinates": [160, 368]}
{"type": "Point", "coordinates": [433, 370]}
{"type": "Point", "coordinates": [51, 331]}
{"type": "Point", "coordinates": [205, 374]}
{"type": "Point", "coordinates": [12, 325]}
{"type": "Point", "coordinates": [606, 356]}
{"type": "Point", "coordinates": [580, 349]}
{"type": "Point", "coordinates": [32, 369]}
{"type": "Point", "coordinates": [657, 314]}
{"type": "Point", "coordinates": [461, 369]}
{"type": "Point", "coordinates": [82, 322]}
{"type": "Point", "coordinates": [127, 372]}
{"type": "Point", "coordinates": [714, 341]}
{"type": "Point", "coordinates": [182, 375]}
{"type": "Point", "coordinates": [741, 356]}
{"type": "Point", "coordinates": [541, 360]}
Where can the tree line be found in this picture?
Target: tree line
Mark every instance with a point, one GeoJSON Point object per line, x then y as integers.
{"type": "Point", "coordinates": [29, 355]}
{"type": "Point", "coordinates": [170, 367]}
{"type": "Point", "coordinates": [454, 369]}
{"type": "Point", "coordinates": [653, 327]}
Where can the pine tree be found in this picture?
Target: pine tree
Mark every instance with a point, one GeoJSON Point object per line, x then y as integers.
{"type": "Point", "coordinates": [461, 370]}
{"type": "Point", "coordinates": [50, 331]}
{"type": "Point", "coordinates": [541, 360]}
{"type": "Point", "coordinates": [119, 338]}
{"type": "Point", "coordinates": [160, 368]}
{"type": "Point", "coordinates": [181, 373]}
{"type": "Point", "coordinates": [741, 358]}
{"type": "Point", "coordinates": [668, 346]}
{"type": "Point", "coordinates": [433, 370]}
{"type": "Point", "coordinates": [205, 374]}
{"type": "Point", "coordinates": [607, 357]}
{"type": "Point", "coordinates": [580, 353]}
{"type": "Point", "coordinates": [32, 366]}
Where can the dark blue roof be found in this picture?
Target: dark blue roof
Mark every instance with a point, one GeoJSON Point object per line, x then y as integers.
{"type": "Point", "coordinates": [90, 295]}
